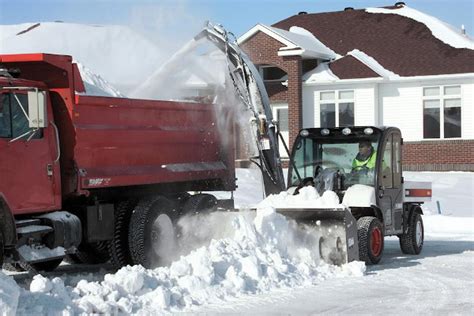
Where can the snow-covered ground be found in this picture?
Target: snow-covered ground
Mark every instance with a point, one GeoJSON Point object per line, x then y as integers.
{"type": "Point", "coordinates": [257, 264]}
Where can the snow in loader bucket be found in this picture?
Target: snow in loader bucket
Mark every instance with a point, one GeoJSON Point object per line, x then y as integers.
{"type": "Point", "coordinates": [336, 229]}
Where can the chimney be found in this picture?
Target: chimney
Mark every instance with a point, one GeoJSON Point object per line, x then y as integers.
{"type": "Point", "coordinates": [463, 29]}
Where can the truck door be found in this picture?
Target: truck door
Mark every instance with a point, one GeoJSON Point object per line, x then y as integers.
{"type": "Point", "coordinates": [28, 173]}
{"type": "Point", "coordinates": [390, 186]}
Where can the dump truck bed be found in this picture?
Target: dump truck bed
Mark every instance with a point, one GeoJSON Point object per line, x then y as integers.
{"type": "Point", "coordinates": [123, 142]}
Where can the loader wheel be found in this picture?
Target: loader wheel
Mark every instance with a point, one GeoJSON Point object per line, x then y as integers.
{"type": "Point", "coordinates": [200, 203]}
{"type": "Point", "coordinates": [412, 242]}
{"type": "Point", "coordinates": [371, 239]}
{"type": "Point", "coordinates": [118, 246]}
{"type": "Point", "coordinates": [151, 235]}
{"type": "Point", "coordinates": [90, 253]}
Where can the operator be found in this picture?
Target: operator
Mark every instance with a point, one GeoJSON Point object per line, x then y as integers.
{"type": "Point", "coordinates": [365, 159]}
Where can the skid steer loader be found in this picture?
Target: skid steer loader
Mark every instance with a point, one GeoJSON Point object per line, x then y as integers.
{"type": "Point", "coordinates": [376, 201]}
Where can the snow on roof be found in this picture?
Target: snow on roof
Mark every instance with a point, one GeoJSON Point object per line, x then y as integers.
{"type": "Point", "coordinates": [372, 64]}
{"type": "Point", "coordinates": [304, 40]}
{"type": "Point", "coordinates": [441, 30]}
{"type": "Point", "coordinates": [298, 41]}
{"type": "Point", "coordinates": [321, 73]}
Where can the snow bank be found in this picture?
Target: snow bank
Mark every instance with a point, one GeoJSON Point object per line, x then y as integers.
{"type": "Point", "coordinates": [447, 226]}
{"type": "Point", "coordinates": [442, 31]}
{"type": "Point", "coordinates": [265, 251]}
{"type": "Point", "coordinates": [9, 294]}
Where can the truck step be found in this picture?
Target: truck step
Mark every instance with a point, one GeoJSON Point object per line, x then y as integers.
{"type": "Point", "coordinates": [33, 229]}
{"type": "Point", "coordinates": [27, 222]}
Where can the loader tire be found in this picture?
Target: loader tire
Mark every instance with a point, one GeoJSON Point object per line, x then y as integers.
{"type": "Point", "coordinates": [200, 203]}
{"type": "Point", "coordinates": [412, 242]}
{"type": "Point", "coordinates": [371, 239]}
{"type": "Point", "coordinates": [118, 247]}
{"type": "Point", "coordinates": [150, 240]}
{"type": "Point", "coordinates": [90, 253]}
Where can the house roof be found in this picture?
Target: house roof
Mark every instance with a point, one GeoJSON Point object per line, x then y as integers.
{"type": "Point", "coordinates": [349, 67]}
{"type": "Point", "coordinates": [399, 44]}
{"type": "Point", "coordinates": [297, 43]}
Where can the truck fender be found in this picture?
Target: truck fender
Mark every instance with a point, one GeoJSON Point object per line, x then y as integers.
{"type": "Point", "coordinates": [7, 223]}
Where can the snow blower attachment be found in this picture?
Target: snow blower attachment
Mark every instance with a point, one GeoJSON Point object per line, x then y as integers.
{"type": "Point", "coordinates": [335, 229]}
{"type": "Point", "coordinates": [250, 89]}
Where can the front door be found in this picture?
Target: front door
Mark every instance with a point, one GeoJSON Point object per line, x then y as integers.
{"type": "Point", "coordinates": [390, 186]}
{"type": "Point", "coordinates": [27, 167]}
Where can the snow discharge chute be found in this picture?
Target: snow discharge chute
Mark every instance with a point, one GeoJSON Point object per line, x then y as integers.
{"type": "Point", "coordinates": [250, 89]}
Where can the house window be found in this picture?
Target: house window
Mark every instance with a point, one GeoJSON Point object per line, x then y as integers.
{"type": "Point", "coordinates": [272, 73]}
{"type": "Point", "coordinates": [336, 108]}
{"type": "Point", "coordinates": [442, 112]}
{"type": "Point", "coordinates": [282, 118]}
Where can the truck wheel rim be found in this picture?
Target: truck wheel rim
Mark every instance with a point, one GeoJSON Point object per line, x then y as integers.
{"type": "Point", "coordinates": [376, 241]}
{"type": "Point", "coordinates": [419, 233]}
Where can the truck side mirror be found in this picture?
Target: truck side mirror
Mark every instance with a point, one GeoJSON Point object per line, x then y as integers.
{"type": "Point", "coordinates": [37, 110]}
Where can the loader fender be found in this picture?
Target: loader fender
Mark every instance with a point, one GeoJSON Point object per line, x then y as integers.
{"type": "Point", "coordinates": [7, 223]}
{"type": "Point", "coordinates": [409, 210]}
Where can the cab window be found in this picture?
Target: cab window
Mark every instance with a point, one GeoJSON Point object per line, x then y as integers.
{"type": "Point", "coordinates": [13, 122]}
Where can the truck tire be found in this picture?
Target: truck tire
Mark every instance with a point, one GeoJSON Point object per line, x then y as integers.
{"type": "Point", "coordinates": [90, 253]}
{"type": "Point", "coordinates": [151, 224]}
{"type": "Point", "coordinates": [200, 203]}
{"type": "Point", "coordinates": [371, 239]}
{"type": "Point", "coordinates": [412, 242]}
{"type": "Point", "coordinates": [118, 247]}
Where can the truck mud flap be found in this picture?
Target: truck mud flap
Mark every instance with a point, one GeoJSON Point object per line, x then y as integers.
{"type": "Point", "coordinates": [336, 231]}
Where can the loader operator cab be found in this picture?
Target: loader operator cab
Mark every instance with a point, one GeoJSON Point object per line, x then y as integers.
{"type": "Point", "coordinates": [328, 157]}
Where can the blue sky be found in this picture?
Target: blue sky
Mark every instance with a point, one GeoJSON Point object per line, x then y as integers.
{"type": "Point", "coordinates": [236, 16]}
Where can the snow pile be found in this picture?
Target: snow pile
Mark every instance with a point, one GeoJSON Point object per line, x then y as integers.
{"type": "Point", "coordinates": [265, 252]}
{"type": "Point", "coordinates": [9, 294]}
{"type": "Point", "coordinates": [95, 84]}
{"type": "Point", "coordinates": [120, 55]}
{"type": "Point", "coordinates": [442, 31]}
{"type": "Point", "coordinates": [308, 197]}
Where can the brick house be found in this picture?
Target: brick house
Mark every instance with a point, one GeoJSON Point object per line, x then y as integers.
{"type": "Point", "coordinates": [391, 66]}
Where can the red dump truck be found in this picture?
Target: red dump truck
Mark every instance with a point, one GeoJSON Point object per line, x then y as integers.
{"type": "Point", "coordinates": [80, 174]}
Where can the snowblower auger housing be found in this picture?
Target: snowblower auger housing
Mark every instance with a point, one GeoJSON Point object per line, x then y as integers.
{"type": "Point", "coordinates": [363, 166]}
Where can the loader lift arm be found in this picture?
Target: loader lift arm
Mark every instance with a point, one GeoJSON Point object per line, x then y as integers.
{"type": "Point", "coordinates": [250, 89]}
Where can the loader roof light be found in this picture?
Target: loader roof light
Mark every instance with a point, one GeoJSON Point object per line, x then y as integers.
{"type": "Point", "coordinates": [304, 133]}
{"type": "Point", "coordinates": [346, 131]}
{"type": "Point", "coordinates": [324, 132]}
{"type": "Point", "coordinates": [368, 131]}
